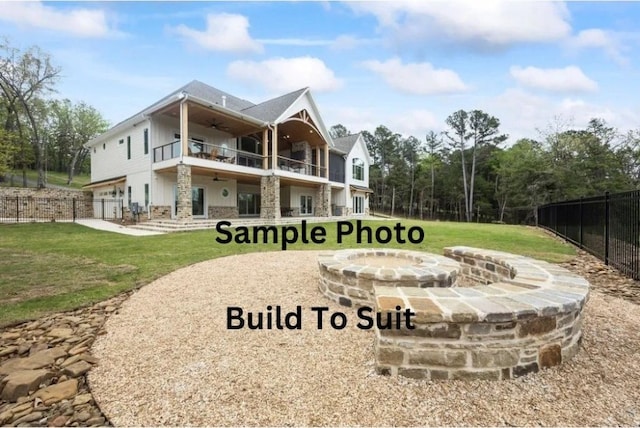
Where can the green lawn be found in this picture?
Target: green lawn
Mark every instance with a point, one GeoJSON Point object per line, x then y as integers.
{"type": "Point", "coordinates": [55, 178]}
{"type": "Point", "coordinates": [53, 267]}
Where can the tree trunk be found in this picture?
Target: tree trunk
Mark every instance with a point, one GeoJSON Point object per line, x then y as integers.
{"type": "Point", "coordinates": [393, 200]}
{"type": "Point", "coordinates": [420, 208]}
{"type": "Point", "coordinates": [72, 166]}
{"type": "Point", "coordinates": [464, 184]}
{"type": "Point", "coordinates": [413, 180]}
{"type": "Point", "coordinates": [473, 179]}
{"type": "Point", "coordinates": [433, 189]}
{"type": "Point", "coordinates": [503, 206]}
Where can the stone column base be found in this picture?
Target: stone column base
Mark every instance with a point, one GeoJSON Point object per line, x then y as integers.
{"type": "Point", "coordinates": [270, 197]}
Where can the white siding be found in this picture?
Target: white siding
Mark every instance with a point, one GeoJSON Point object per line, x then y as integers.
{"type": "Point", "coordinates": [109, 160]}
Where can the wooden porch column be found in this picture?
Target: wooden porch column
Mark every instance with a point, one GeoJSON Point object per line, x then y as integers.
{"type": "Point", "coordinates": [184, 128]}
{"type": "Point", "coordinates": [274, 145]}
{"type": "Point", "coordinates": [318, 161]}
{"type": "Point", "coordinates": [265, 148]}
{"type": "Point", "coordinates": [326, 161]}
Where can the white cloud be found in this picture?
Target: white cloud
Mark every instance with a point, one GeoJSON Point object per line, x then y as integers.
{"type": "Point", "coordinates": [225, 32]}
{"type": "Point", "coordinates": [567, 79]}
{"type": "Point", "coordinates": [417, 78]}
{"type": "Point", "coordinates": [415, 123]}
{"type": "Point", "coordinates": [595, 38]}
{"type": "Point", "coordinates": [286, 74]}
{"type": "Point", "coordinates": [487, 22]}
{"type": "Point", "coordinates": [522, 113]}
{"type": "Point", "coordinates": [77, 22]}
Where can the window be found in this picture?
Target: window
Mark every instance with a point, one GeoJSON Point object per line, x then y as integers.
{"type": "Point", "coordinates": [146, 194]}
{"type": "Point", "coordinates": [146, 141]}
{"type": "Point", "coordinates": [121, 141]}
{"type": "Point", "coordinates": [358, 204]}
{"type": "Point", "coordinates": [129, 196]}
{"type": "Point", "coordinates": [358, 169]}
{"type": "Point", "coordinates": [128, 147]}
{"type": "Point", "coordinates": [306, 204]}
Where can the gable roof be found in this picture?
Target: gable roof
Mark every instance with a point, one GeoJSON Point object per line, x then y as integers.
{"type": "Point", "coordinates": [267, 111]}
{"type": "Point", "coordinates": [272, 109]}
{"type": "Point", "coordinates": [346, 143]}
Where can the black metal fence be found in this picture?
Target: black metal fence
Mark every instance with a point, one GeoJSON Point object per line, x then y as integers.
{"type": "Point", "coordinates": [607, 226]}
{"type": "Point", "coordinates": [28, 209]}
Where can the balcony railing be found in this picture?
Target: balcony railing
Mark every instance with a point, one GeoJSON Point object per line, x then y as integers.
{"type": "Point", "coordinates": [218, 153]}
{"type": "Point", "coordinates": [300, 167]}
{"type": "Point", "coordinates": [166, 152]}
{"type": "Point", "coordinates": [201, 150]}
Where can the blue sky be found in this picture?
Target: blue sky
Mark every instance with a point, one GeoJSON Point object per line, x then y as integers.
{"type": "Point", "coordinates": [404, 64]}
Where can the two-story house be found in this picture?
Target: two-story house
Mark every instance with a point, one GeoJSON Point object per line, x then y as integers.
{"type": "Point", "coordinates": [203, 153]}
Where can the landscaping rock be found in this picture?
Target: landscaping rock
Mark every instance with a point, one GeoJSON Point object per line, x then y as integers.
{"type": "Point", "coordinates": [62, 333]}
{"type": "Point", "coordinates": [77, 369]}
{"type": "Point", "coordinates": [21, 383]}
{"type": "Point", "coordinates": [58, 392]}
{"type": "Point", "coordinates": [58, 421]}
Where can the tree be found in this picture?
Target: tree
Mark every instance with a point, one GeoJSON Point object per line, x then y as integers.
{"type": "Point", "coordinates": [458, 122]}
{"type": "Point", "coordinates": [339, 130]}
{"type": "Point", "coordinates": [480, 129]}
{"type": "Point", "coordinates": [25, 79]}
{"type": "Point", "coordinates": [434, 142]}
{"type": "Point", "coordinates": [384, 147]}
{"type": "Point", "coordinates": [484, 130]}
{"type": "Point", "coordinates": [7, 149]}
{"type": "Point", "coordinates": [73, 126]}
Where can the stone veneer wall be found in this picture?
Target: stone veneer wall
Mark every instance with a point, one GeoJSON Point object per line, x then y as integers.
{"type": "Point", "coordinates": [185, 198]}
{"type": "Point", "coordinates": [531, 319]}
{"type": "Point", "coordinates": [527, 317]}
{"type": "Point", "coordinates": [322, 201]}
{"type": "Point", "coordinates": [223, 212]}
{"type": "Point", "coordinates": [160, 212]}
{"type": "Point", "coordinates": [303, 146]}
{"type": "Point", "coordinates": [44, 204]}
{"type": "Point", "coordinates": [270, 197]}
{"type": "Point", "coordinates": [345, 280]}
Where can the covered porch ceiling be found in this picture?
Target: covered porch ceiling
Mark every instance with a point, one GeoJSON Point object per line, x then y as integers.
{"type": "Point", "coordinates": [210, 118]}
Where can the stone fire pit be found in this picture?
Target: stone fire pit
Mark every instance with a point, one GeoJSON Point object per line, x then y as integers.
{"type": "Point", "coordinates": [514, 315]}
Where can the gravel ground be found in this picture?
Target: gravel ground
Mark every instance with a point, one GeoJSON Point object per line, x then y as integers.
{"type": "Point", "coordinates": [168, 359]}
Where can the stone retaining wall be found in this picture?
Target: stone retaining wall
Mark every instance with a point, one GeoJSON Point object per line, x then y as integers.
{"type": "Point", "coordinates": [44, 204]}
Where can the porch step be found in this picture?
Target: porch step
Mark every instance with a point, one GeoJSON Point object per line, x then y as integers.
{"type": "Point", "coordinates": [182, 226]}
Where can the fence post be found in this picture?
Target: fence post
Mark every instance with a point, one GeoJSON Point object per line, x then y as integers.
{"type": "Point", "coordinates": [17, 209]}
{"type": "Point", "coordinates": [606, 228]}
{"type": "Point", "coordinates": [74, 210]}
{"type": "Point", "coordinates": [102, 208]}
{"type": "Point", "coordinates": [581, 221]}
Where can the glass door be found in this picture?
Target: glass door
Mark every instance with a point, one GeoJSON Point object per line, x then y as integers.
{"type": "Point", "coordinates": [306, 205]}
{"type": "Point", "coordinates": [248, 204]}
{"type": "Point", "coordinates": [197, 201]}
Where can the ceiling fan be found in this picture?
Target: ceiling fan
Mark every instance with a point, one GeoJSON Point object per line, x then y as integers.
{"type": "Point", "coordinates": [215, 178]}
{"type": "Point", "coordinates": [218, 125]}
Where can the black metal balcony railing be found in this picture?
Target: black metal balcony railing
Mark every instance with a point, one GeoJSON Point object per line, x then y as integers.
{"type": "Point", "coordinates": [200, 150]}
{"type": "Point", "coordinates": [214, 152]}
{"type": "Point", "coordinates": [300, 167]}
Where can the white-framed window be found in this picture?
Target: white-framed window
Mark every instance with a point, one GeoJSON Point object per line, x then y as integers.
{"type": "Point", "coordinates": [358, 169]}
{"type": "Point", "coordinates": [358, 204]}
{"type": "Point", "coordinates": [306, 204]}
